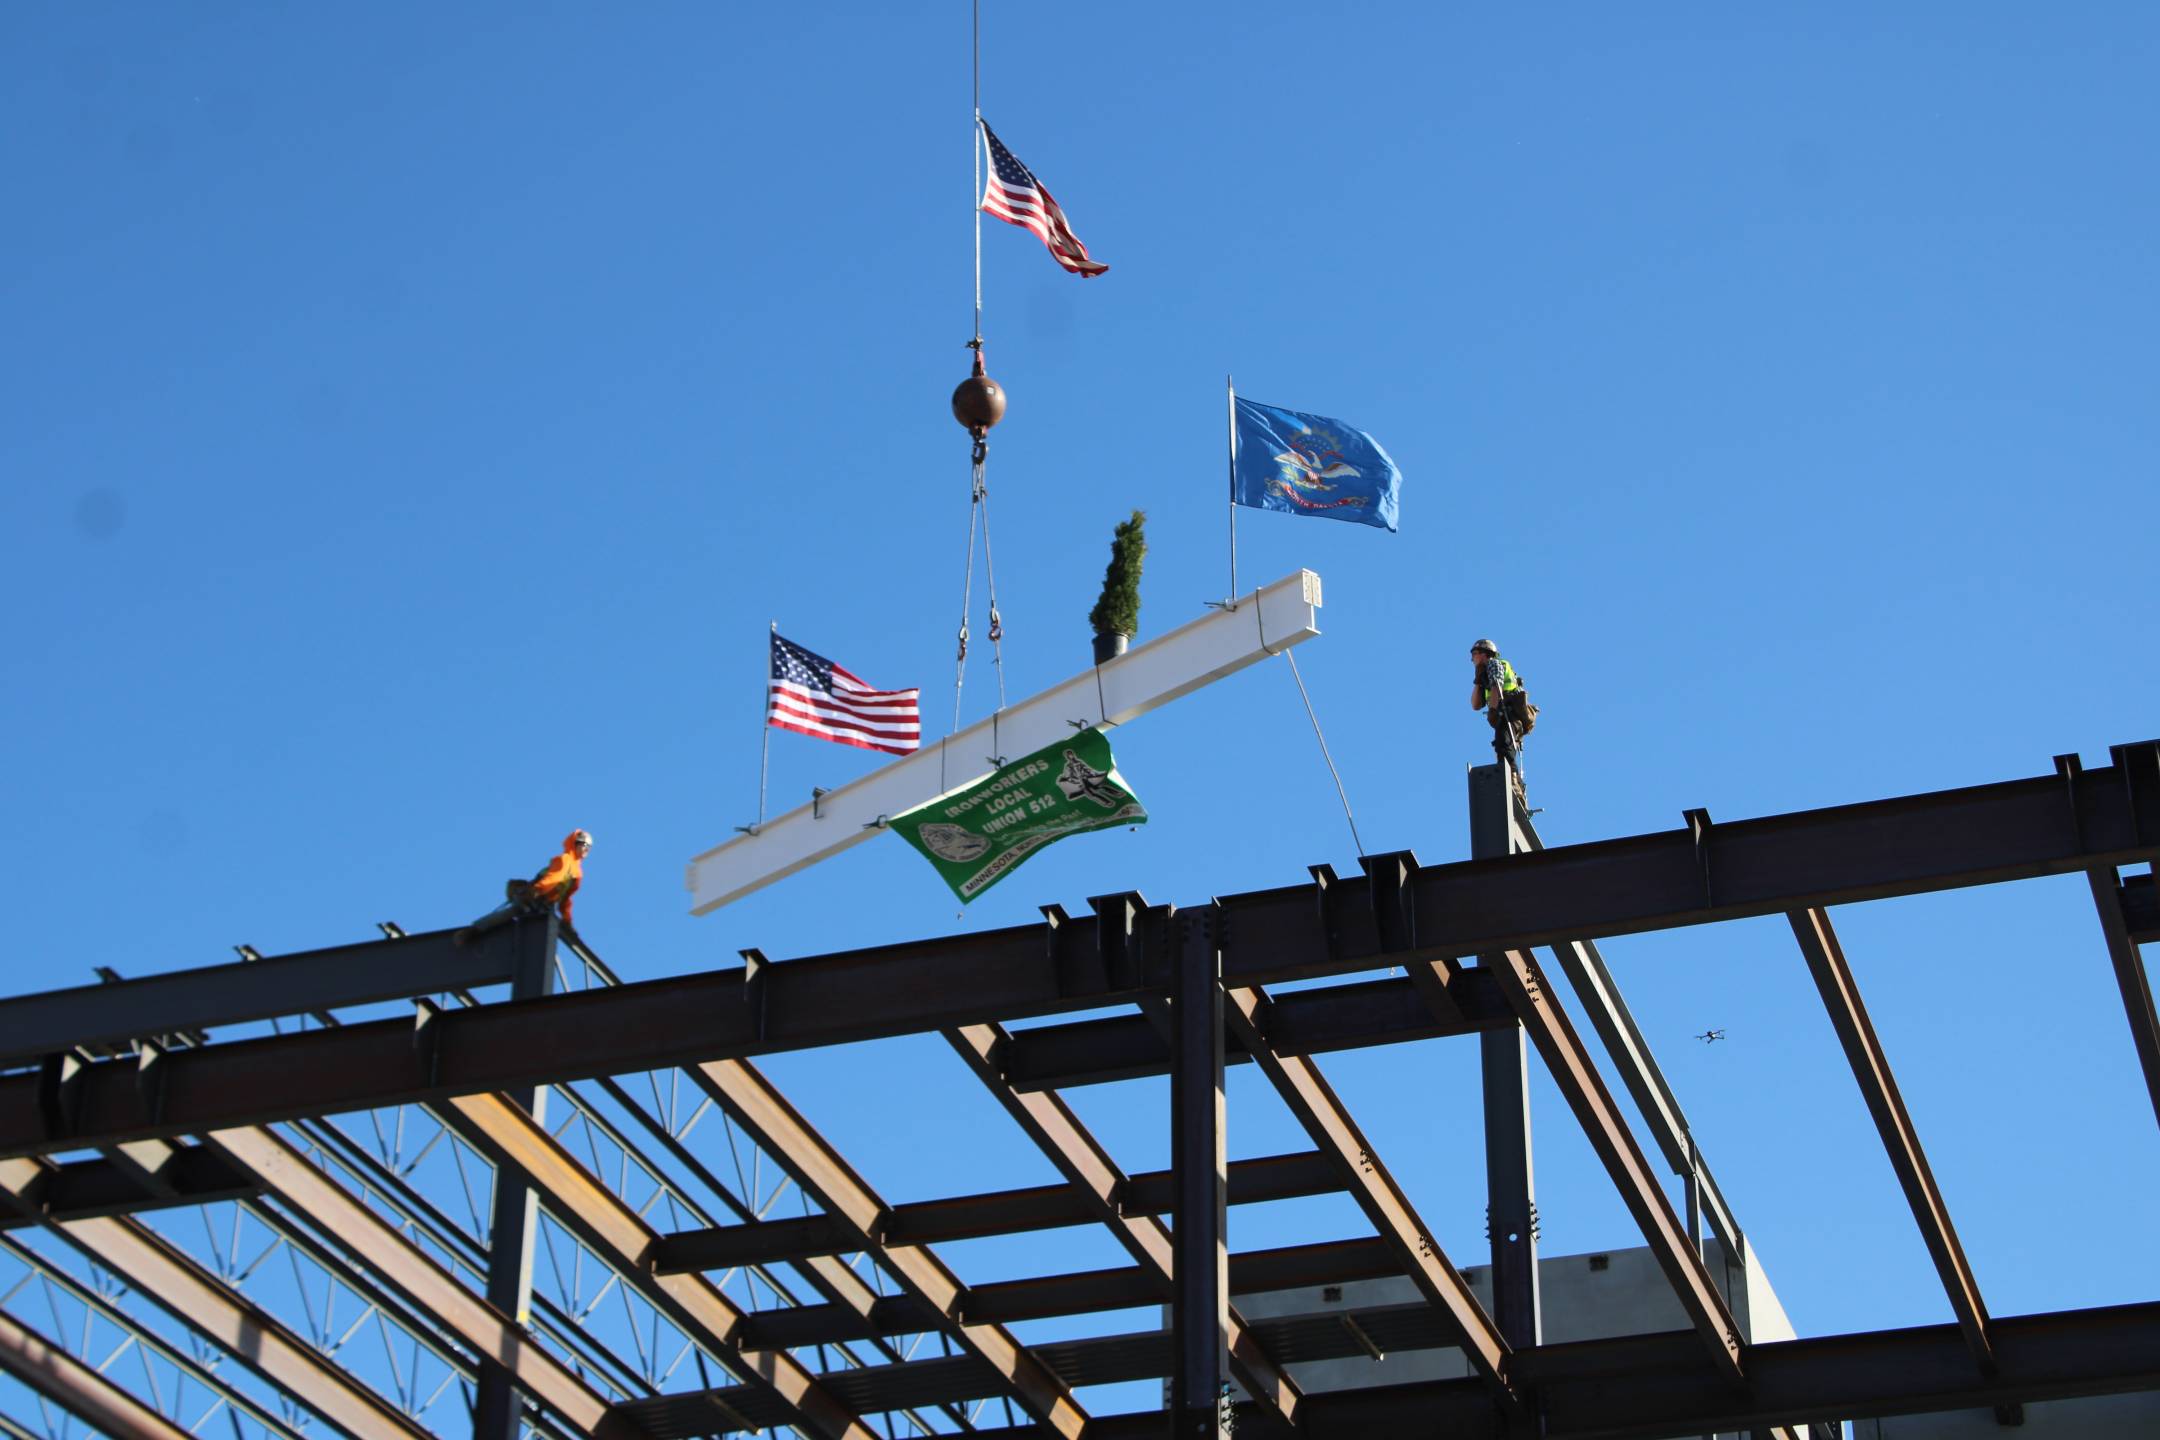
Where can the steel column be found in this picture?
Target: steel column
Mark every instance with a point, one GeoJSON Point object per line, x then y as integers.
{"type": "Point", "coordinates": [1504, 1069]}
{"type": "Point", "coordinates": [513, 1212]}
{"type": "Point", "coordinates": [1901, 1141]}
{"type": "Point", "coordinates": [1200, 1257]}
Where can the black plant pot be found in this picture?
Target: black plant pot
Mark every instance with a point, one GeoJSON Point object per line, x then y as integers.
{"type": "Point", "coordinates": [1109, 647]}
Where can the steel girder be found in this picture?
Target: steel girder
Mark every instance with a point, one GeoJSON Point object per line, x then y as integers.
{"type": "Point", "coordinates": [1982, 835]}
{"type": "Point", "coordinates": [122, 1011]}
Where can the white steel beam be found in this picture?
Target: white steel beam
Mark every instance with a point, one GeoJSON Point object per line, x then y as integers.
{"type": "Point", "coordinates": [1219, 643]}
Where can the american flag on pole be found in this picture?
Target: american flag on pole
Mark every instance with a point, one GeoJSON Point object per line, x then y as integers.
{"type": "Point", "coordinates": [812, 696]}
{"type": "Point", "coordinates": [1013, 193]}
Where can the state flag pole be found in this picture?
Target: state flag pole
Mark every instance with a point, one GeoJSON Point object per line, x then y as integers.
{"type": "Point", "coordinates": [1230, 388]}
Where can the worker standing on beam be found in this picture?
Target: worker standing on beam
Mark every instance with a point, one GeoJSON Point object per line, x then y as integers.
{"type": "Point", "coordinates": [553, 888]}
{"type": "Point", "coordinates": [1496, 689]}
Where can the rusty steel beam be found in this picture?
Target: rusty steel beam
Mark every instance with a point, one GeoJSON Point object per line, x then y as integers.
{"type": "Point", "coordinates": [2130, 977]}
{"type": "Point", "coordinates": [1317, 1107]}
{"type": "Point", "coordinates": [1569, 1063]}
{"type": "Point", "coordinates": [971, 1217]}
{"type": "Point", "coordinates": [1983, 835]}
{"type": "Point", "coordinates": [780, 1129]}
{"type": "Point", "coordinates": [206, 1305]}
{"type": "Point", "coordinates": [78, 1389]}
{"type": "Point", "coordinates": [1058, 1133]}
{"type": "Point", "coordinates": [1901, 1140]}
{"type": "Point", "coordinates": [596, 1215]}
{"type": "Point", "coordinates": [436, 1294]}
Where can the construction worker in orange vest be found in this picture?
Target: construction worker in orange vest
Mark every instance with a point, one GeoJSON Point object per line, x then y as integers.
{"type": "Point", "coordinates": [553, 888]}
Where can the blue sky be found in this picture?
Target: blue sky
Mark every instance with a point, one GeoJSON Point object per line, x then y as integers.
{"type": "Point", "coordinates": [411, 417]}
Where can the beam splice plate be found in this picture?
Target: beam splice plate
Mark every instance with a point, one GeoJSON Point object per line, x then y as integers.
{"type": "Point", "coordinates": [1219, 643]}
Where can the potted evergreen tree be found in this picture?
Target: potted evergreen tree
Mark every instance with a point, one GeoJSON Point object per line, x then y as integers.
{"type": "Point", "coordinates": [1116, 616]}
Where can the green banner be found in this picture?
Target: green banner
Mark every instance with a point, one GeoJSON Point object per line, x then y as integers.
{"type": "Point", "coordinates": [977, 836]}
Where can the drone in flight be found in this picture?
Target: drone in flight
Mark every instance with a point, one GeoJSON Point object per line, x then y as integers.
{"type": "Point", "coordinates": [1711, 1037]}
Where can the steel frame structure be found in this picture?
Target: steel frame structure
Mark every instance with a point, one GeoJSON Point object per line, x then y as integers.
{"type": "Point", "coordinates": [557, 1211]}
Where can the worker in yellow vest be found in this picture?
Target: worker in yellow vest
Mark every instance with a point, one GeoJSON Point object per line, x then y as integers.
{"type": "Point", "coordinates": [1496, 689]}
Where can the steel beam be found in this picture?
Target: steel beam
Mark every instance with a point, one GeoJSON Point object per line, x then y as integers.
{"type": "Point", "coordinates": [199, 1300]}
{"type": "Point", "coordinates": [1087, 1292]}
{"type": "Point", "coordinates": [761, 1110]}
{"type": "Point", "coordinates": [1329, 1122]}
{"type": "Point", "coordinates": [1058, 1133]}
{"type": "Point", "coordinates": [86, 1189]}
{"type": "Point", "coordinates": [125, 1010]}
{"type": "Point", "coordinates": [1901, 1140]}
{"type": "Point", "coordinates": [1308, 1022]}
{"type": "Point", "coordinates": [2130, 977]}
{"type": "Point", "coordinates": [1200, 1251]}
{"type": "Point", "coordinates": [1649, 1387]}
{"type": "Point", "coordinates": [971, 1217]}
{"type": "Point", "coordinates": [1924, 843]}
{"type": "Point", "coordinates": [78, 1389]}
{"type": "Point", "coordinates": [1216, 645]}
{"type": "Point", "coordinates": [480, 1325]}
{"type": "Point", "coordinates": [595, 1214]}
{"type": "Point", "coordinates": [1572, 1070]}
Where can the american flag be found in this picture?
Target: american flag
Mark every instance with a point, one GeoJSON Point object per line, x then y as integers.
{"type": "Point", "coordinates": [812, 696]}
{"type": "Point", "coordinates": [1013, 193]}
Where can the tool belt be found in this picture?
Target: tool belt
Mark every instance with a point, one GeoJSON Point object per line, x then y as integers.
{"type": "Point", "coordinates": [1521, 711]}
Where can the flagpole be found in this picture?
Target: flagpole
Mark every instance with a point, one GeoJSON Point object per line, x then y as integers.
{"type": "Point", "coordinates": [1230, 388]}
{"type": "Point", "coordinates": [765, 712]}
